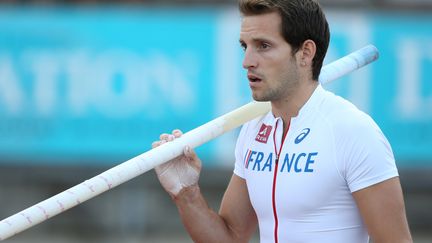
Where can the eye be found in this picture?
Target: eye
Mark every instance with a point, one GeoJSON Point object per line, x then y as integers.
{"type": "Point", "coordinates": [264, 46]}
{"type": "Point", "coordinates": [243, 46]}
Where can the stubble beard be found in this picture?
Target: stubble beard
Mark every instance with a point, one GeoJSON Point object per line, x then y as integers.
{"type": "Point", "coordinates": [268, 95]}
{"type": "Point", "coordinates": [281, 91]}
{"type": "Point", "coordinates": [287, 84]}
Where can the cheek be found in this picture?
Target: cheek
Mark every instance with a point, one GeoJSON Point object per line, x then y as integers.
{"type": "Point", "coordinates": [288, 74]}
{"type": "Point", "coordinates": [277, 63]}
{"type": "Point", "coordinates": [273, 65]}
{"type": "Point", "coordinates": [281, 68]}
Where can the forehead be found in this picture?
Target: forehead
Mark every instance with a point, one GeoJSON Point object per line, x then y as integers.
{"type": "Point", "coordinates": [266, 25]}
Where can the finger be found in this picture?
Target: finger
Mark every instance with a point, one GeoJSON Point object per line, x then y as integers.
{"type": "Point", "coordinates": [158, 143]}
{"type": "Point", "coordinates": [177, 133]}
{"type": "Point", "coordinates": [164, 136]}
{"type": "Point", "coordinates": [170, 138]}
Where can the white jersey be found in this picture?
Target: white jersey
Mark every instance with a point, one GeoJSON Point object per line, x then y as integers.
{"type": "Point", "coordinates": [331, 150]}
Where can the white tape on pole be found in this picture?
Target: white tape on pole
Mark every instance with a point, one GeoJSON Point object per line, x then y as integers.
{"type": "Point", "coordinates": [348, 63]}
{"type": "Point", "coordinates": [148, 160]}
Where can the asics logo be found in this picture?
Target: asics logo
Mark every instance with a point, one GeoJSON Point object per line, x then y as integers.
{"type": "Point", "coordinates": [302, 135]}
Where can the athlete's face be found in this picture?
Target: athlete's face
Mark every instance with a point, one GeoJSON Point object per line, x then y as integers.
{"type": "Point", "coordinates": [271, 66]}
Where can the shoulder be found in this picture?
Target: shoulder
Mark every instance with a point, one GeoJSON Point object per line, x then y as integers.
{"type": "Point", "coordinates": [343, 117]}
{"type": "Point", "coordinates": [354, 133]}
{"type": "Point", "coordinates": [363, 154]}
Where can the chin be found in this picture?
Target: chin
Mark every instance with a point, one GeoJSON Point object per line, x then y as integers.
{"type": "Point", "coordinates": [260, 98]}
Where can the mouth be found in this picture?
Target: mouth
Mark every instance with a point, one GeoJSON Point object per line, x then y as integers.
{"type": "Point", "coordinates": [254, 78]}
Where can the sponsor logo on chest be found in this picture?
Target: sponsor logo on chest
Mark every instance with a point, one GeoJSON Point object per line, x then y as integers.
{"type": "Point", "coordinates": [264, 133]}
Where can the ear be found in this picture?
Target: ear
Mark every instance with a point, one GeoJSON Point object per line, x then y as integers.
{"type": "Point", "coordinates": [306, 53]}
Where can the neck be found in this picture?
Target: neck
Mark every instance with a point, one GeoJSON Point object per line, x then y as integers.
{"type": "Point", "coordinates": [290, 105]}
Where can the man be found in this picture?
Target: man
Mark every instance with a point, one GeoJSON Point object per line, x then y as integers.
{"type": "Point", "coordinates": [315, 169]}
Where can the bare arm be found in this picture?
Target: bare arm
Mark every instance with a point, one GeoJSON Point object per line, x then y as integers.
{"type": "Point", "coordinates": [383, 211]}
{"type": "Point", "coordinates": [179, 177]}
{"type": "Point", "coordinates": [235, 222]}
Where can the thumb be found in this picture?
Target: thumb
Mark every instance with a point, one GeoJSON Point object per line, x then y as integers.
{"type": "Point", "coordinates": [189, 153]}
{"type": "Point", "coordinates": [192, 157]}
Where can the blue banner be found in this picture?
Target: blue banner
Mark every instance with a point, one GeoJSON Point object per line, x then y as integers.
{"type": "Point", "coordinates": [98, 85]}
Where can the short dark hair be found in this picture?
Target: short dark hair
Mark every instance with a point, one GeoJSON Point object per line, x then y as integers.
{"type": "Point", "coordinates": [301, 20]}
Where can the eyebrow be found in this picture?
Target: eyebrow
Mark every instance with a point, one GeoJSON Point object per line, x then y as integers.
{"type": "Point", "coordinates": [257, 39]}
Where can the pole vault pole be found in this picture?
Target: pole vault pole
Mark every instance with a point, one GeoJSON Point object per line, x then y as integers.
{"type": "Point", "coordinates": [148, 160]}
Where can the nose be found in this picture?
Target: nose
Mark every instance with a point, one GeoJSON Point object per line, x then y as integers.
{"type": "Point", "coordinates": [250, 59]}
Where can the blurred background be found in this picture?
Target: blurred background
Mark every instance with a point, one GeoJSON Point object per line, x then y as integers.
{"type": "Point", "coordinates": [87, 84]}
